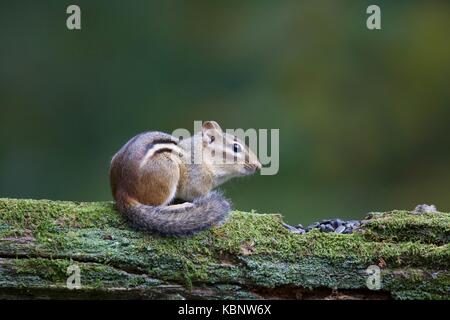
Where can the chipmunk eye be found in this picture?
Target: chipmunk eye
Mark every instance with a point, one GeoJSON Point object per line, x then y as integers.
{"type": "Point", "coordinates": [212, 139]}
{"type": "Point", "coordinates": [237, 148]}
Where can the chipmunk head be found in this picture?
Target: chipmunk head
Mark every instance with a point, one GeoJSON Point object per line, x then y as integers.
{"type": "Point", "coordinates": [226, 153]}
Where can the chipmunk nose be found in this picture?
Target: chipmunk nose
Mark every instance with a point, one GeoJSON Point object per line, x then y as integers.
{"type": "Point", "coordinates": [252, 167]}
{"type": "Point", "coordinates": [256, 166]}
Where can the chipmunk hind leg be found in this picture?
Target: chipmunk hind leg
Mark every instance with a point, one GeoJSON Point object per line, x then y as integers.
{"type": "Point", "coordinates": [158, 181]}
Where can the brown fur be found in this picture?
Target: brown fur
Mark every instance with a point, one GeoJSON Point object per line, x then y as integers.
{"type": "Point", "coordinates": [149, 172]}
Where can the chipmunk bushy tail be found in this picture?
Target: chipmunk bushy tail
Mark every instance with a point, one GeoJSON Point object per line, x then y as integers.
{"type": "Point", "coordinates": [203, 213]}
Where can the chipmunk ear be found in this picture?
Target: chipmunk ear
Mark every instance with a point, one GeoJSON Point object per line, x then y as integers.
{"type": "Point", "coordinates": [210, 129]}
{"type": "Point", "coordinates": [211, 125]}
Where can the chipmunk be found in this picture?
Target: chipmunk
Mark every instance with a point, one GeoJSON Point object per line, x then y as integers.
{"type": "Point", "coordinates": [154, 168]}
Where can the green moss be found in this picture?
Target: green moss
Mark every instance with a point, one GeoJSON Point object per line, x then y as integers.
{"type": "Point", "coordinates": [44, 216]}
{"type": "Point", "coordinates": [402, 226]}
{"type": "Point", "coordinates": [251, 249]}
{"type": "Point", "coordinates": [411, 283]}
{"type": "Point", "coordinates": [47, 269]}
{"type": "Point", "coordinates": [39, 271]}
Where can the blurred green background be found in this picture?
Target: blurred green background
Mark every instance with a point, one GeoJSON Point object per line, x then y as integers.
{"type": "Point", "coordinates": [363, 115]}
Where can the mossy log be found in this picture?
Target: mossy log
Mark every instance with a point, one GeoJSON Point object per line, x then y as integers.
{"type": "Point", "coordinates": [251, 256]}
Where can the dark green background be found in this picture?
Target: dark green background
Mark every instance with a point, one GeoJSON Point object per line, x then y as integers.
{"type": "Point", "coordinates": [363, 115]}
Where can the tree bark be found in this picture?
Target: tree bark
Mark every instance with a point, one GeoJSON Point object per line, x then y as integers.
{"type": "Point", "coordinates": [43, 244]}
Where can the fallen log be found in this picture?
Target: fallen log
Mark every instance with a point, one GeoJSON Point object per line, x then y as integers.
{"type": "Point", "coordinates": [45, 245]}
